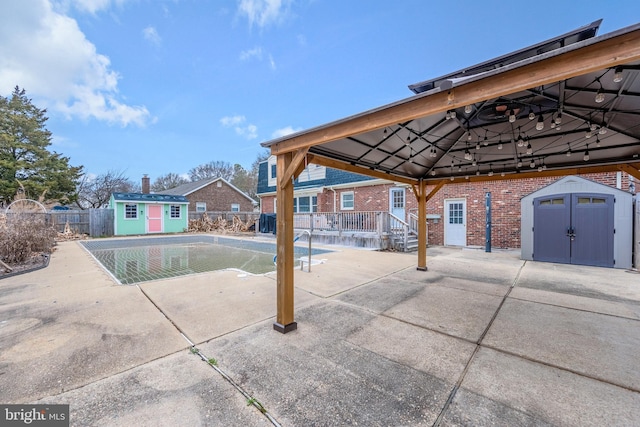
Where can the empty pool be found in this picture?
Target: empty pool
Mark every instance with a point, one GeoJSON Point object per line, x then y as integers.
{"type": "Point", "coordinates": [138, 260]}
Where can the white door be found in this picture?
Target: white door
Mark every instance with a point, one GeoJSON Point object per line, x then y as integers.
{"type": "Point", "coordinates": [455, 222]}
{"type": "Point", "coordinates": [397, 203]}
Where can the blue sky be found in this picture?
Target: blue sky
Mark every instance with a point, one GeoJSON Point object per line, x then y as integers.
{"type": "Point", "coordinates": [155, 86]}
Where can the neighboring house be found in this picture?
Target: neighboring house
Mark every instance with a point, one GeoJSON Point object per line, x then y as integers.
{"type": "Point", "coordinates": [213, 195]}
{"type": "Point", "coordinates": [140, 213]}
{"type": "Point", "coordinates": [456, 213]}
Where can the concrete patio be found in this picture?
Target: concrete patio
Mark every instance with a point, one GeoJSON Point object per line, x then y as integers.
{"type": "Point", "coordinates": [480, 339]}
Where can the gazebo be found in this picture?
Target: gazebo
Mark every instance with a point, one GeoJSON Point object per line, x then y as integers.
{"type": "Point", "coordinates": [567, 105]}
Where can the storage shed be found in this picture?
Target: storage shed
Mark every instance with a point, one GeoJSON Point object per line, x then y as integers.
{"type": "Point", "coordinates": [139, 213]}
{"type": "Point", "coordinates": [578, 221]}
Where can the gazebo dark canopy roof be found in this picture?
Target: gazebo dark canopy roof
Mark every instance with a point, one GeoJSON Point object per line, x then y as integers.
{"type": "Point", "coordinates": [487, 121]}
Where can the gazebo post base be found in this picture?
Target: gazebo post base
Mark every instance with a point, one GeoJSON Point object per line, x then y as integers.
{"type": "Point", "coordinates": [421, 268]}
{"type": "Point", "coordinates": [283, 329]}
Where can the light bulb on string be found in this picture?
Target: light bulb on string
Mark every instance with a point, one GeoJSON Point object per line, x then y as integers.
{"type": "Point", "coordinates": [617, 75]}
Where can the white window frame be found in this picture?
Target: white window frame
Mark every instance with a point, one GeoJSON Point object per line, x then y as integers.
{"type": "Point", "coordinates": [201, 207]}
{"type": "Point", "coordinates": [172, 211]}
{"type": "Point", "coordinates": [235, 207]}
{"type": "Point", "coordinates": [343, 207]}
{"type": "Point", "coordinates": [127, 212]}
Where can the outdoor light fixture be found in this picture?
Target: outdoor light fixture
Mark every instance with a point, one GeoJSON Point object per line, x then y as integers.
{"type": "Point", "coordinates": [467, 154]}
{"type": "Point", "coordinates": [519, 163]}
{"type": "Point", "coordinates": [467, 109]}
{"type": "Point", "coordinates": [408, 139]}
{"type": "Point", "coordinates": [597, 141]}
{"type": "Point", "coordinates": [478, 172]}
{"type": "Point", "coordinates": [599, 95]}
{"type": "Point", "coordinates": [474, 161]}
{"type": "Point", "coordinates": [500, 145]}
{"type": "Point", "coordinates": [617, 76]}
{"type": "Point", "coordinates": [569, 152]}
{"type": "Point", "coordinates": [586, 154]}
{"type": "Point", "coordinates": [512, 116]}
{"type": "Point", "coordinates": [558, 118]}
{"type": "Point", "coordinates": [478, 145]}
{"type": "Point", "coordinates": [540, 124]}
{"type": "Point", "coordinates": [529, 148]}
{"type": "Point", "coordinates": [532, 164]}
{"type": "Point", "coordinates": [433, 173]}
{"type": "Point", "coordinates": [531, 114]}
{"type": "Point", "coordinates": [453, 114]}
{"type": "Point", "coordinates": [490, 171]}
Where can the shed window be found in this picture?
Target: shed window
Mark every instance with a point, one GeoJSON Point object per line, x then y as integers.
{"type": "Point", "coordinates": [235, 207]}
{"type": "Point", "coordinates": [175, 211]}
{"type": "Point", "coordinates": [201, 206]}
{"type": "Point", "coordinates": [552, 202]}
{"type": "Point", "coordinates": [347, 201]}
{"type": "Point", "coordinates": [131, 211]}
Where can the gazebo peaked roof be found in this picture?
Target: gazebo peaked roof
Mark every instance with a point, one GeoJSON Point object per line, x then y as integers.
{"type": "Point", "coordinates": [509, 116]}
{"type": "Point", "coordinates": [568, 110]}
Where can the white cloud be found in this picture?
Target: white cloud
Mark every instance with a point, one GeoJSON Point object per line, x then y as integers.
{"type": "Point", "coordinates": [229, 121]}
{"type": "Point", "coordinates": [46, 53]}
{"type": "Point", "coordinates": [89, 6]}
{"type": "Point", "coordinates": [249, 131]}
{"type": "Point", "coordinates": [151, 34]}
{"type": "Point", "coordinates": [279, 133]}
{"type": "Point", "coordinates": [264, 12]}
{"type": "Point", "coordinates": [256, 52]}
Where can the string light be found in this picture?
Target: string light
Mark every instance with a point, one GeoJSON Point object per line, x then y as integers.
{"type": "Point", "coordinates": [540, 124]}
{"type": "Point", "coordinates": [586, 154]}
{"type": "Point", "coordinates": [617, 75]}
{"type": "Point", "coordinates": [468, 109]}
{"type": "Point", "coordinates": [512, 116]}
{"type": "Point", "coordinates": [599, 95]}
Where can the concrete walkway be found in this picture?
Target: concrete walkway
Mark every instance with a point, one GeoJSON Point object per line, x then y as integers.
{"type": "Point", "coordinates": [480, 340]}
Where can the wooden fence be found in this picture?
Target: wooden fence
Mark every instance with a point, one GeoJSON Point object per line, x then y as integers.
{"type": "Point", "coordinates": [94, 222]}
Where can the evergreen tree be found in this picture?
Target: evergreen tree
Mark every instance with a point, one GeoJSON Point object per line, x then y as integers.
{"type": "Point", "coordinates": [24, 155]}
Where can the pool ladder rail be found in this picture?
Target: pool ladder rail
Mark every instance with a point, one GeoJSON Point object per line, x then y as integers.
{"type": "Point", "coordinates": [275, 257]}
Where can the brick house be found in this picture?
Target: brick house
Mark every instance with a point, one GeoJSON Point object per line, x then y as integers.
{"type": "Point", "coordinates": [213, 195]}
{"type": "Point", "coordinates": [322, 189]}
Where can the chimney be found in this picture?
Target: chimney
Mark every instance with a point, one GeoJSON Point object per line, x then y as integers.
{"type": "Point", "coordinates": [145, 184]}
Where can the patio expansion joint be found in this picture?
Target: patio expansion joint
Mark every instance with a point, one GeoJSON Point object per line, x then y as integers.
{"type": "Point", "coordinates": [561, 368]}
{"type": "Point", "coordinates": [250, 399]}
{"type": "Point", "coordinates": [478, 343]}
{"type": "Point", "coordinates": [583, 310]}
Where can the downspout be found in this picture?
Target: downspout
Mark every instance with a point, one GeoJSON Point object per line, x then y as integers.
{"type": "Point", "coordinates": [334, 197]}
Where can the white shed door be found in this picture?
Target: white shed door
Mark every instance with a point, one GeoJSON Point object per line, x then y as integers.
{"type": "Point", "coordinates": [455, 222]}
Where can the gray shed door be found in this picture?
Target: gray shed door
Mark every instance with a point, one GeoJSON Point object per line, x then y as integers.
{"type": "Point", "coordinates": [574, 229]}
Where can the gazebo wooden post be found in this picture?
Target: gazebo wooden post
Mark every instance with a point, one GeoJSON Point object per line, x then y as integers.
{"type": "Point", "coordinates": [422, 225]}
{"type": "Point", "coordinates": [284, 238]}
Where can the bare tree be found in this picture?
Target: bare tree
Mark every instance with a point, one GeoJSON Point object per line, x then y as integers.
{"type": "Point", "coordinates": [94, 192]}
{"type": "Point", "coordinates": [168, 181]}
{"type": "Point", "coordinates": [213, 169]}
{"type": "Point", "coordinates": [247, 180]}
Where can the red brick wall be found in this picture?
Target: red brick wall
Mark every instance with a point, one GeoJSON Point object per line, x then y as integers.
{"type": "Point", "coordinates": [219, 198]}
{"type": "Point", "coordinates": [505, 204]}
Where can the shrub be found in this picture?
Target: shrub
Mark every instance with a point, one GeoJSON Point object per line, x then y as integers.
{"type": "Point", "coordinates": [24, 235]}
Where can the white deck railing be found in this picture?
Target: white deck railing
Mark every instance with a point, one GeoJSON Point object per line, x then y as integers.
{"type": "Point", "coordinates": [374, 222]}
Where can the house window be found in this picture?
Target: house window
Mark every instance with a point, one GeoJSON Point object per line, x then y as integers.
{"type": "Point", "coordinates": [131, 211]}
{"type": "Point", "coordinates": [347, 201]}
{"type": "Point", "coordinates": [175, 211]}
{"type": "Point", "coordinates": [304, 204]}
{"type": "Point", "coordinates": [235, 207]}
{"type": "Point", "coordinates": [201, 206]}
{"type": "Point", "coordinates": [273, 171]}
